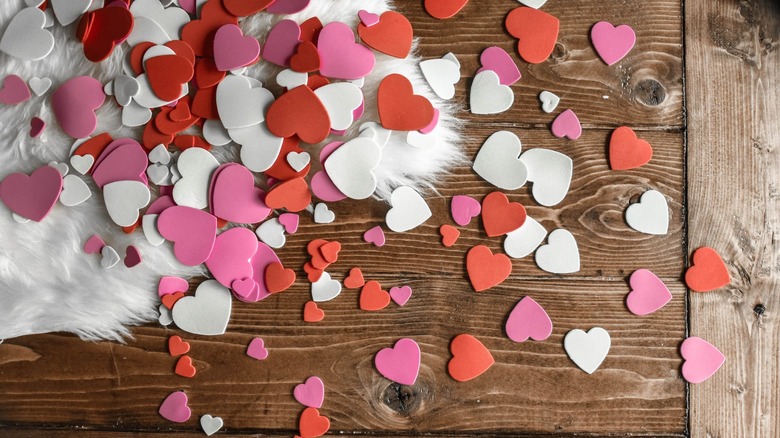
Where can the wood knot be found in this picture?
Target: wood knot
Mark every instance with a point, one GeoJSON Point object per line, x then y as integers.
{"type": "Point", "coordinates": [759, 309]}
{"type": "Point", "coordinates": [559, 53]}
{"type": "Point", "coordinates": [402, 399]}
{"type": "Point", "coordinates": [650, 92]}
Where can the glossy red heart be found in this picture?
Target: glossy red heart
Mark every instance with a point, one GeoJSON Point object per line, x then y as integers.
{"type": "Point", "coordinates": [499, 216]}
{"type": "Point", "coordinates": [299, 112]}
{"type": "Point", "coordinates": [103, 29]}
{"type": "Point", "coordinates": [399, 108]}
{"type": "Point", "coordinates": [537, 32]}
{"type": "Point", "coordinates": [392, 35]}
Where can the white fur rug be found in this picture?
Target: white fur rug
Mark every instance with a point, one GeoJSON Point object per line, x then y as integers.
{"type": "Point", "coordinates": [47, 283]}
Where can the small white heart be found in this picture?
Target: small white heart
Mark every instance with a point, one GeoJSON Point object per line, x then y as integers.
{"type": "Point", "coordinates": [40, 86]}
{"type": "Point", "coordinates": [498, 161]}
{"type": "Point", "coordinates": [272, 233]}
{"type": "Point", "coordinates": [166, 318]}
{"type": "Point", "coordinates": [160, 155]}
{"type": "Point", "coordinates": [298, 160]}
{"type": "Point", "coordinates": [442, 75]}
{"type": "Point", "coordinates": [209, 424]}
{"type": "Point", "coordinates": [561, 254]}
{"type": "Point", "coordinates": [322, 215]}
{"type": "Point", "coordinates": [550, 172]}
{"type": "Point", "coordinates": [524, 240]}
{"type": "Point", "coordinates": [124, 89]}
{"type": "Point", "coordinates": [587, 350]}
{"type": "Point", "coordinates": [74, 191]}
{"type": "Point", "coordinates": [549, 101]}
{"type": "Point", "coordinates": [124, 199]}
{"type": "Point", "coordinates": [290, 79]}
{"type": "Point", "coordinates": [409, 210]}
{"type": "Point", "coordinates": [110, 257]}
{"type": "Point", "coordinates": [205, 313]}
{"type": "Point", "coordinates": [152, 234]}
{"type": "Point", "coordinates": [488, 95]}
{"type": "Point", "coordinates": [159, 174]}
{"type": "Point", "coordinates": [650, 215]}
{"type": "Point", "coordinates": [61, 167]}
{"type": "Point", "coordinates": [325, 289]}
{"type": "Point", "coordinates": [82, 163]}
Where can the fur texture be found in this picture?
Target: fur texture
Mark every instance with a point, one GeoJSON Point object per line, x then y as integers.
{"type": "Point", "coordinates": [48, 284]}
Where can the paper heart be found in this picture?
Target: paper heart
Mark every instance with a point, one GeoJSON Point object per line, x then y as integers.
{"type": "Point", "coordinates": [486, 269]}
{"type": "Point", "coordinates": [550, 172]}
{"type": "Point", "coordinates": [536, 4]}
{"type": "Point", "coordinates": [306, 58]}
{"type": "Point", "coordinates": [567, 124]}
{"type": "Point", "coordinates": [399, 108]}
{"type": "Point", "coordinates": [34, 196]}
{"type": "Point", "coordinates": [235, 197]}
{"type": "Point", "coordinates": [648, 293]}
{"type": "Point", "coordinates": [244, 287]}
{"type": "Point", "coordinates": [174, 407]}
{"type": "Point", "coordinates": [561, 254]}
{"type": "Point", "coordinates": [167, 75]}
{"type": "Point", "coordinates": [325, 289]}
{"type": "Point", "coordinates": [528, 320]}
{"type": "Point", "coordinates": [192, 231]}
{"type": "Point", "coordinates": [524, 240]}
{"type": "Point", "coordinates": [409, 210]}
{"type": "Point", "coordinates": [312, 424]}
{"type": "Point", "coordinates": [126, 162]}
{"type": "Point", "coordinates": [373, 297]}
{"type": "Point", "coordinates": [229, 258]}
{"type": "Point", "coordinates": [259, 148]}
{"type": "Point", "coordinates": [257, 350]}
{"type": "Point", "coordinates": [708, 271]}
{"type": "Point", "coordinates": [233, 50]}
{"type": "Point", "coordinates": [278, 278]}
{"type": "Point", "coordinates": [199, 34]}
{"type": "Point", "coordinates": [94, 244]}
{"type": "Point", "coordinates": [499, 216]}
{"type": "Point", "coordinates": [196, 166]}
{"type": "Point", "coordinates": [299, 112]}
{"type": "Point", "coordinates": [488, 96]}
{"type": "Point", "coordinates": [103, 29]}
{"type": "Point", "coordinates": [449, 235]}
{"type": "Point", "coordinates": [298, 160]}
{"type": "Point", "coordinates": [498, 161]}
{"type": "Point", "coordinates": [290, 222]}
{"type": "Point", "coordinates": [109, 257]}
{"type": "Point", "coordinates": [36, 126]}
{"type": "Point", "coordinates": [392, 34]}
{"type": "Point", "coordinates": [294, 195]}
{"type": "Point", "coordinates": [340, 56]}
{"type": "Point", "coordinates": [612, 43]}
{"type": "Point", "coordinates": [68, 11]}
{"type": "Point", "coordinates": [74, 104]}
{"type": "Point", "coordinates": [272, 233]}
{"type": "Point", "coordinates": [132, 257]}
{"type": "Point", "coordinates": [310, 393]}
{"type": "Point", "coordinates": [176, 346]}
{"type": "Point", "coordinates": [159, 174]}
{"type": "Point", "coordinates": [367, 18]}
{"type": "Point", "coordinates": [351, 167]}
{"type": "Point", "coordinates": [169, 285]}
{"type": "Point", "coordinates": [209, 424]}
{"type": "Point", "coordinates": [375, 235]}
{"type": "Point", "coordinates": [443, 9]}
{"type": "Point", "coordinates": [700, 359]}
{"type": "Point", "coordinates": [15, 90]}
{"type": "Point", "coordinates": [549, 101]}
{"type": "Point", "coordinates": [650, 215]}
{"type": "Point", "coordinates": [463, 208]}
{"type": "Point", "coordinates": [312, 313]}
{"type": "Point", "coordinates": [401, 294]}
{"type": "Point", "coordinates": [322, 187]}
{"type": "Point", "coordinates": [25, 37]}
{"type": "Point", "coordinates": [626, 151]}
{"type": "Point", "coordinates": [170, 300]}
{"type": "Point", "coordinates": [170, 20]}
{"type": "Point", "coordinates": [587, 350]}
{"type": "Point", "coordinates": [322, 215]}
{"type": "Point", "coordinates": [355, 279]}
{"type": "Point", "coordinates": [205, 313]}
{"type": "Point", "coordinates": [124, 200]}
{"type": "Point", "coordinates": [401, 363]}
{"type": "Point", "coordinates": [536, 31]}
{"type": "Point", "coordinates": [496, 59]}
{"type": "Point", "coordinates": [470, 358]}
{"type": "Point", "coordinates": [264, 257]}
{"type": "Point", "coordinates": [281, 170]}
{"type": "Point", "coordinates": [184, 367]}
{"type": "Point", "coordinates": [82, 164]}
{"type": "Point", "coordinates": [341, 100]}
{"type": "Point", "coordinates": [281, 42]}
{"type": "Point", "coordinates": [442, 75]}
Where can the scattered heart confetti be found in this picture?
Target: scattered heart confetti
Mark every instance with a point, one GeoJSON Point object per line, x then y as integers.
{"type": "Point", "coordinates": [210, 425]}
{"type": "Point", "coordinates": [375, 235]}
{"type": "Point", "coordinates": [498, 161]}
{"type": "Point", "coordinates": [312, 313]}
{"type": "Point", "coordinates": [626, 151]}
{"type": "Point", "coordinates": [449, 235]}
{"type": "Point", "coordinates": [549, 101]}
{"type": "Point", "coordinates": [536, 31]}
{"type": "Point", "coordinates": [400, 295]}
{"type": "Point", "coordinates": [612, 43]}
{"type": "Point", "coordinates": [185, 368]}
{"type": "Point", "coordinates": [648, 293]}
{"type": "Point", "coordinates": [373, 297]}
{"type": "Point", "coordinates": [176, 346]}
{"type": "Point", "coordinates": [486, 269]}
{"type": "Point", "coordinates": [14, 90]}
{"type": "Point", "coordinates": [567, 124]}
{"type": "Point", "coordinates": [561, 254]}
{"type": "Point", "coordinates": [499, 216]}
{"type": "Point", "coordinates": [355, 279]}
{"type": "Point", "coordinates": [312, 424]}
{"type": "Point", "coordinates": [650, 215]}
{"type": "Point", "coordinates": [524, 240]}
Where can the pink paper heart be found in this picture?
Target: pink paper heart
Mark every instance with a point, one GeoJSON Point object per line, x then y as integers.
{"type": "Point", "coordinates": [244, 288]}
{"type": "Point", "coordinates": [235, 198]}
{"type": "Point", "coordinates": [125, 163]}
{"type": "Point", "coordinates": [193, 233]}
{"type": "Point", "coordinates": [322, 187]}
{"type": "Point", "coordinates": [114, 145]}
{"type": "Point", "coordinates": [329, 149]}
{"type": "Point", "coordinates": [281, 43]}
{"type": "Point", "coordinates": [74, 105]}
{"type": "Point", "coordinates": [567, 124]}
{"type": "Point", "coordinates": [498, 60]}
{"type": "Point", "coordinates": [37, 126]}
{"type": "Point", "coordinates": [401, 363]}
{"type": "Point", "coordinates": [401, 294]}
{"type": "Point", "coordinates": [132, 257]}
{"type": "Point", "coordinates": [174, 407]}
{"type": "Point", "coordinates": [375, 235]}
{"type": "Point", "coordinates": [310, 393]}
{"type": "Point", "coordinates": [170, 285]}
{"type": "Point", "coordinates": [14, 90]}
{"type": "Point", "coordinates": [702, 359]}
{"type": "Point", "coordinates": [257, 350]}
{"type": "Point", "coordinates": [648, 293]}
{"type": "Point", "coordinates": [264, 256]}
{"type": "Point", "coordinates": [612, 43]}
{"type": "Point", "coordinates": [34, 196]}
{"type": "Point", "coordinates": [340, 56]}
{"type": "Point", "coordinates": [290, 222]}
{"type": "Point", "coordinates": [287, 6]}
{"type": "Point", "coordinates": [232, 49]}
{"type": "Point", "coordinates": [229, 259]}
{"type": "Point", "coordinates": [367, 18]}
{"type": "Point", "coordinates": [94, 245]}
{"type": "Point", "coordinates": [188, 5]}
{"type": "Point", "coordinates": [160, 204]}
{"type": "Point", "coordinates": [464, 208]}
{"type": "Point", "coordinates": [528, 320]}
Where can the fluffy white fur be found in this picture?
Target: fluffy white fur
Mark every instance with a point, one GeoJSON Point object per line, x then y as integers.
{"type": "Point", "coordinates": [48, 284]}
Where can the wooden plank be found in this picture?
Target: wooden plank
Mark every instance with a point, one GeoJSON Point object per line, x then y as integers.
{"type": "Point", "coordinates": [644, 90]}
{"type": "Point", "coordinates": [734, 99]}
{"type": "Point", "coordinates": [534, 387]}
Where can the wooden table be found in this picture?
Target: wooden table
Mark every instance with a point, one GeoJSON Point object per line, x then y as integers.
{"type": "Point", "coordinates": [702, 86]}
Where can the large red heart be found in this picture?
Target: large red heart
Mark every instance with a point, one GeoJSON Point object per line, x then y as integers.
{"type": "Point", "coordinates": [312, 424]}
{"type": "Point", "coordinates": [470, 358]}
{"type": "Point", "coordinates": [167, 74]}
{"type": "Point", "coordinates": [391, 35]}
{"type": "Point", "coordinates": [199, 34]}
{"type": "Point", "coordinates": [443, 9]}
{"type": "Point", "coordinates": [626, 151]}
{"type": "Point", "coordinates": [294, 195]}
{"type": "Point", "coordinates": [399, 108]}
{"type": "Point", "coordinates": [499, 216]}
{"type": "Point", "coordinates": [299, 112]}
{"type": "Point", "coordinates": [708, 271]}
{"type": "Point", "coordinates": [537, 32]}
{"type": "Point", "coordinates": [102, 29]}
{"type": "Point", "coordinates": [486, 269]}
{"type": "Point", "coordinates": [244, 8]}
{"type": "Point", "coordinates": [373, 297]}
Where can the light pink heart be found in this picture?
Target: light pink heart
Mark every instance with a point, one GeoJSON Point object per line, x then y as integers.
{"type": "Point", "coordinates": [340, 56]}
{"type": "Point", "coordinates": [528, 320]}
{"type": "Point", "coordinates": [401, 294]}
{"type": "Point", "coordinates": [287, 6]}
{"type": "Point", "coordinates": [329, 149]}
{"type": "Point", "coordinates": [498, 60]}
{"type": "Point", "coordinates": [244, 288]}
{"type": "Point", "coordinates": [94, 245]}
{"type": "Point", "coordinates": [463, 208]}
{"type": "Point", "coordinates": [264, 256]}
{"type": "Point", "coordinates": [171, 285]}
{"type": "Point", "coordinates": [367, 18]}
{"type": "Point", "coordinates": [14, 90]}
{"type": "Point", "coordinates": [235, 197]}
{"type": "Point", "coordinates": [401, 363]}
{"type": "Point", "coordinates": [34, 196]}
{"type": "Point", "coordinates": [281, 43]}
{"type": "Point", "coordinates": [193, 233]}
{"type": "Point", "coordinates": [174, 407]}
{"type": "Point", "coordinates": [612, 43]}
{"type": "Point", "coordinates": [567, 124]}
{"type": "Point", "coordinates": [114, 145]}
{"type": "Point", "coordinates": [310, 393]}
{"type": "Point", "coordinates": [322, 187]}
{"type": "Point", "coordinates": [702, 359]}
{"type": "Point", "coordinates": [132, 257]}
{"type": "Point", "coordinates": [290, 222]}
{"type": "Point", "coordinates": [74, 105]}
{"type": "Point", "coordinates": [648, 293]}
{"type": "Point", "coordinates": [257, 350]}
{"type": "Point", "coordinates": [232, 49]}
{"type": "Point", "coordinates": [229, 259]}
{"type": "Point", "coordinates": [160, 204]}
{"type": "Point", "coordinates": [125, 163]}
{"type": "Point", "coordinates": [375, 235]}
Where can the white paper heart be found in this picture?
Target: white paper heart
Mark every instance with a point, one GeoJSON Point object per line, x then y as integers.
{"type": "Point", "coordinates": [160, 155]}
{"type": "Point", "coordinates": [239, 104]}
{"type": "Point", "coordinates": [40, 86]}
{"type": "Point", "coordinates": [322, 215]}
{"type": "Point", "coordinates": [536, 4]}
{"type": "Point", "coordinates": [550, 172]}
{"type": "Point", "coordinates": [124, 88]}
{"type": "Point", "coordinates": [62, 168]}
{"type": "Point", "coordinates": [650, 215]}
{"type": "Point", "coordinates": [152, 234]}
{"type": "Point", "coordinates": [561, 254]}
{"type": "Point", "coordinates": [124, 199]}
{"type": "Point", "coordinates": [442, 75]}
{"type": "Point", "coordinates": [290, 79]}
{"type": "Point", "coordinates": [488, 95]}
{"type": "Point", "coordinates": [340, 99]}
{"type": "Point", "coordinates": [109, 257]}
{"type": "Point", "coordinates": [216, 134]}
{"type": "Point", "coordinates": [271, 232]}
{"type": "Point", "coordinates": [451, 57]}
{"type": "Point", "coordinates": [25, 37]}
{"type": "Point", "coordinates": [409, 210]}
{"type": "Point", "coordinates": [146, 97]}
{"type": "Point", "coordinates": [210, 425]}
{"type": "Point", "coordinates": [259, 147]}
{"type": "Point", "coordinates": [498, 161]}
{"type": "Point", "coordinates": [159, 174]}
{"type": "Point", "coordinates": [325, 289]}
{"type": "Point", "coordinates": [195, 165]}
{"type": "Point", "coordinates": [166, 318]}
{"type": "Point", "coordinates": [68, 11]}
{"type": "Point", "coordinates": [74, 191]}
{"type": "Point", "coordinates": [351, 167]}
{"type": "Point", "coordinates": [587, 350]}
{"type": "Point", "coordinates": [549, 101]}
{"type": "Point", "coordinates": [82, 163]}
{"type": "Point", "coordinates": [298, 160]}
{"type": "Point", "coordinates": [205, 313]}
{"type": "Point", "coordinates": [377, 132]}
{"type": "Point", "coordinates": [171, 20]}
{"type": "Point", "coordinates": [134, 114]}
{"type": "Point", "coordinates": [524, 240]}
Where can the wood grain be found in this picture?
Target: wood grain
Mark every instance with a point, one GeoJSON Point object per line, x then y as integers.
{"type": "Point", "coordinates": [734, 99]}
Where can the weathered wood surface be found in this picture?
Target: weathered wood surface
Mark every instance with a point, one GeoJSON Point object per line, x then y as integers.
{"type": "Point", "coordinates": [733, 102]}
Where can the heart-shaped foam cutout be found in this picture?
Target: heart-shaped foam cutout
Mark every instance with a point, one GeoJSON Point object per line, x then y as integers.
{"type": "Point", "coordinates": [340, 56]}
{"type": "Point", "coordinates": [322, 215]}
{"type": "Point", "coordinates": [278, 278]}
{"type": "Point", "coordinates": [470, 358]}
{"type": "Point", "coordinates": [184, 367]}
{"type": "Point", "coordinates": [375, 235]}
{"type": "Point", "coordinates": [25, 37]}
{"type": "Point", "coordinates": [401, 294]}
{"type": "Point", "coordinates": [587, 350]}
{"type": "Point", "coordinates": [561, 254]}
{"type": "Point", "coordinates": [233, 50]}
{"type": "Point", "coordinates": [549, 101]}
{"type": "Point", "coordinates": [256, 349]}
{"type": "Point", "coordinates": [94, 244]}
{"type": "Point", "coordinates": [176, 346]}
{"type": "Point", "coordinates": [199, 34]}
{"type": "Point", "coordinates": [488, 95]}
{"type": "Point", "coordinates": [325, 289]}
{"type": "Point", "coordinates": [193, 232]}
{"type": "Point", "coordinates": [701, 359]}
{"type": "Point", "coordinates": [312, 313]}
{"type": "Point", "coordinates": [463, 208]}
{"type": "Point", "coordinates": [312, 424]}
{"type": "Point", "coordinates": [272, 233]}
{"type": "Point", "coordinates": [209, 424]}
{"type": "Point", "coordinates": [15, 91]}
{"type": "Point", "coordinates": [486, 269]}
{"type": "Point", "coordinates": [168, 75]}
{"type": "Point", "coordinates": [170, 300]}
{"type": "Point", "coordinates": [196, 166]}
{"type": "Point", "coordinates": [612, 43]}
{"type": "Point", "coordinates": [650, 215]}
{"type": "Point", "coordinates": [443, 9]}
{"type": "Point", "coordinates": [299, 112]}
{"type": "Point", "coordinates": [311, 393]}
{"type": "Point", "coordinates": [124, 200]}
{"type": "Point", "coordinates": [441, 75]}
{"type": "Point", "coordinates": [708, 271]}
{"type": "Point", "coordinates": [626, 151]}
{"type": "Point", "coordinates": [550, 172]}
{"type": "Point", "coordinates": [355, 279]}
{"type": "Point", "coordinates": [498, 161]}
{"type": "Point", "coordinates": [524, 240]}
{"type": "Point", "coordinates": [498, 60]}
{"type": "Point", "coordinates": [103, 29]}
{"type": "Point", "coordinates": [648, 293]}
{"type": "Point", "coordinates": [351, 166]}
{"type": "Point", "coordinates": [399, 108]}
{"type": "Point", "coordinates": [171, 20]}
{"type": "Point", "coordinates": [373, 297]}
{"type": "Point", "coordinates": [132, 256]}
{"type": "Point", "coordinates": [174, 407]}
{"type": "Point", "coordinates": [306, 58]}
{"type": "Point", "coordinates": [401, 363]}
{"type": "Point", "coordinates": [74, 104]}
{"type": "Point", "coordinates": [229, 258]}
{"type": "Point", "coordinates": [341, 100]}
{"type": "Point", "coordinates": [205, 313]}
{"type": "Point", "coordinates": [235, 197]}
{"type": "Point", "coordinates": [391, 35]}
{"type": "Point", "coordinates": [528, 320]}
{"type": "Point", "coordinates": [294, 195]}
{"type": "Point", "coordinates": [567, 124]}
{"type": "Point", "coordinates": [536, 31]}
{"type": "Point", "coordinates": [242, 102]}
{"type": "Point", "coordinates": [409, 210]}
{"type": "Point", "coordinates": [449, 235]}
{"type": "Point", "coordinates": [499, 216]}
{"type": "Point", "coordinates": [34, 196]}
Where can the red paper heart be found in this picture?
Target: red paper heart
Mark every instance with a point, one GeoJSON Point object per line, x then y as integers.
{"type": "Point", "coordinates": [499, 216]}
{"type": "Point", "coordinates": [176, 346]}
{"type": "Point", "coordinates": [443, 9]}
{"type": "Point", "coordinates": [206, 73]}
{"type": "Point", "coordinates": [310, 30]}
{"type": "Point", "coordinates": [449, 235]}
{"type": "Point", "coordinates": [470, 358]}
{"type": "Point", "coordinates": [537, 32]}
{"type": "Point", "coordinates": [372, 297]}
{"type": "Point", "coordinates": [245, 8]}
{"type": "Point", "coordinates": [391, 35]}
{"type": "Point", "coordinates": [708, 271]}
{"type": "Point", "coordinates": [299, 112]}
{"type": "Point", "coordinates": [204, 104]}
{"type": "Point", "coordinates": [277, 278]}
{"type": "Point", "coordinates": [486, 269]}
{"type": "Point", "coordinates": [312, 274]}
{"type": "Point", "coordinates": [103, 29]}
{"type": "Point", "coordinates": [306, 58]}
{"type": "Point", "coordinates": [184, 367]}
{"type": "Point", "coordinates": [281, 168]}
{"type": "Point", "coordinates": [167, 74]}
{"type": "Point", "coordinates": [137, 56]}
{"type": "Point", "coordinates": [330, 251]}
{"type": "Point", "coordinates": [355, 279]}
{"type": "Point", "coordinates": [399, 108]}
{"type": "Point", "coordinates": [312, 313]}
{"type": "Point", "coordinates": [312, 424]}
{"type": "Point", "coordinates": [170, 300]}
{"type": "Point", "coordinates": [199, 34]}
{"type": "Point", "coordinates": [626, 151]}
{"type": "Point", "coordinates": [152, 137]}
{"type": "Point", "coordinates": [317, 259]}
{"type": "Point", "coordinates": [294, 195]}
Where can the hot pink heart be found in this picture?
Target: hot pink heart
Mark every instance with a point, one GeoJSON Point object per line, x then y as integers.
{"type": "Point", "coordinates": [310, 393]}
{"type": "Point", "coordinates": [612, 43]}
{"type": "Point", "coordinates": [340, 56]}
{"type": "Point", "coordinates": [235, 198]}
{"type": "Point", "coordinates": [401, 363]}
{"type": "Point", "coordinates": [94, 245]}
{"type": "Point", "coordinates": [232, 49]}
{"type": "Point", "coordinates": [464, 208]}
{"type": "Point", "coordinates": [401, 294]}
{"type": "Point", "coordinates": [322, 187]}
{"type": "Point", "coordinates": [702, 359]}
{"type": "Point", "coordinates": [375, 235]}
{"type": "Point", "coordinates": [367, 18]}
{"type": "Point", "coordinates": [124, 163]}
{"type": "Point", "coordinates": [34, 196]}
{"type": "Point", "coordinates": [498, 60]}
{"type": "Point", "coordinates": [281, 43]}
{"type": "Point", "coordinates": [174, 407]}
{"type": "Point", "coordinates": [290, 222]}
{"type": "Point", "coordinates": [244, 288]}
{"type": "Point", "coordinates": [229, 259]}
{"type": "Point", "coordinates": [193, 233]}
{"type": "Point", "coordinates": [648, 293]}
{"type": "Point", "coordinates": [257, 350]}
{"type": "Point", "coordinates": [528, 320]}
{"type": "Point", "coordinates": [170, 285]}
{"type": "Point", "coordinates": [287, 6]}
{"type": "Point", "coordinates": [264, 256]}
{"type": "Point", "coordinates": [74, 105]}
{"type": "Point", "coordinates": [567, 124]}
{"type": "Point", "coordinates": [14, 90]}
